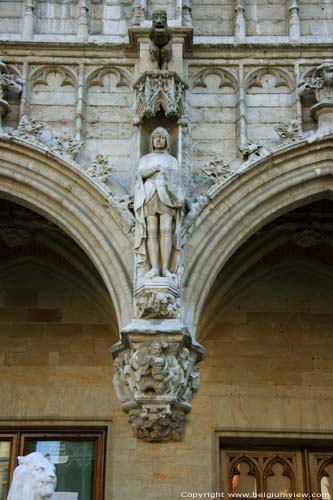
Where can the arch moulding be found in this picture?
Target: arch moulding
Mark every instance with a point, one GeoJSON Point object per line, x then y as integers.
{"type": "Point", "coordinates": [58, 190]}
{"type": "Point", "coordinates": [251, 198]}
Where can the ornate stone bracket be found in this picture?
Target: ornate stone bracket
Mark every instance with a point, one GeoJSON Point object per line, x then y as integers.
{"type": "Point", "coordinates": [156, 89]}
{"type": "Point", "coordinates": [157, 298]}
{"type": "Point", "coordinates": [156, 378]}
{"type": "Point", "coordinates": [321, 86]}
{"type": "Point", "coordinates": [7, 82]}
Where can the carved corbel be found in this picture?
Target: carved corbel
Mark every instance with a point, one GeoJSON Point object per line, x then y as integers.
{"type": "Point", "coordinates": [320, 85]}
{"type": "Point", "coordinates": [7, 82]}
{"type": "Point", "coordinates": [156, 377]}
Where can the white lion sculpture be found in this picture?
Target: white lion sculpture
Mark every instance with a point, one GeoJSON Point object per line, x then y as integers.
{"type": "Point", "coordinates": [34, 478]}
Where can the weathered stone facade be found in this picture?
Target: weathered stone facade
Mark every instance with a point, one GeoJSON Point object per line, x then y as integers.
{"type": "Point", "coordinates": [166, 190]}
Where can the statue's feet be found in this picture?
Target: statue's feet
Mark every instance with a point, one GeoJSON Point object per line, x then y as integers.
{"type": "Point", "coordinates": [153, 273]}
{"type": "Point", "coordinates": [167, 274]}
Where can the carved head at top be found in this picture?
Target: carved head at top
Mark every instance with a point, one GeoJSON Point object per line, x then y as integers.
{"type": "Point", "coordinates": [34, 478]}
{"type": "Point", "coordinates": [160, 19]}
{"type": "Point", "coordinates": [160, 139]}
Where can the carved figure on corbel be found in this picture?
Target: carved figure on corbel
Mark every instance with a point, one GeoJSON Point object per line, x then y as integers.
{"type": "Point", "coordinates": [7, 82]}
{"type": "Point", "coordinates": [320, 84]}
{"type": "Point", "coordinates": [152, 304]}
{"type": "Point", "coordinates": [156, 382]}
{"type": "Point", "coordinates": [160, 40]}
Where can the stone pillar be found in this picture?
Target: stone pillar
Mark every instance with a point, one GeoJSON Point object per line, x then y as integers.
{"type": "Point", "coordinates": [187, 13]}
{"type": "Point", "coordinates": [139, 12]}
{"type": "Point", "coordinates": [240, 22]}
{"type": "Point", "coordinates": [83, 20]}
{"type": "Point", "coordinates": [294, 21]}
{"type": "Point", "coordinates": [28, 20]}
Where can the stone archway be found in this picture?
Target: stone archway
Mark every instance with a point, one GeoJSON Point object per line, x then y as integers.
{"type": "Point", "coordinates": [251, 198]}
{"type": "Point", "coordinates": [57, 190]}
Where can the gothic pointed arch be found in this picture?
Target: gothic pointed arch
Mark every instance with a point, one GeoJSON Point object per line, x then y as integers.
{"type": "Point", "coordinates": [33, 177]}
{"type": "Point", "coordinates": [251, 198]}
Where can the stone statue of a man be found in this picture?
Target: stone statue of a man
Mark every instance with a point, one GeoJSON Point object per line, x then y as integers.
{"type": "Point", "coordinates": [158, 204]}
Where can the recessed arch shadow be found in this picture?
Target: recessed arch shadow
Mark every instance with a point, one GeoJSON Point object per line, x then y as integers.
{"type": "Point", "coordinates": [51, 187]}
{"type": "Point", "coordinates": [287, 179]}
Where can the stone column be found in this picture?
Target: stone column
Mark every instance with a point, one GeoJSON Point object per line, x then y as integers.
{"type": "Point", "coordinates": [294, 21]}
{"type": "Point", "coordinates": [187, 13]}
{"type": "Point", "coordinates": [139, 12]}
{"type": "Point", "coordinates": [240, 22]}
{"type": "Point", "coordinates": [83, 20]}
{"type": "Point", "coordinates": [28, 20]}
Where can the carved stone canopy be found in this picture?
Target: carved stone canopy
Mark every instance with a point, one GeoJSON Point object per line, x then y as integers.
{"type": "Point", "coordinates": [156, 377]}
{"type": "Point", "coordinates": [159, 89]}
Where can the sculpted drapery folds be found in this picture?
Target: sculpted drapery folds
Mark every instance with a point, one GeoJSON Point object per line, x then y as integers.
{"type": "Point", "coordinates": [158, 206]}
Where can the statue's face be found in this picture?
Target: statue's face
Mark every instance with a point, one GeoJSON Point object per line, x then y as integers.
{"type": "Point", "coordinates": [156, 349]}
{"type": "Point", "coordinates": [45, 478]}
{"type": "Point", "coordinates": [159, 19]}
{"type": "Point", "coordinates": [159, 141]}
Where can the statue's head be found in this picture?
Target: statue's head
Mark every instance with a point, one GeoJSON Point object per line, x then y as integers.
{"type": "Point", "coordinates": [160, 139]}
{"type": "Point", "coordinates": [160, 19]}
{"type": "Point", "coordinates": [34, 478]}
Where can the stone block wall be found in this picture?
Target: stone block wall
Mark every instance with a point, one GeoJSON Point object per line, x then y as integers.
{"type": "Point", "coordinates": [11, 14]}
{"type": "Point", "coordinates": [266, 18]}
{"type": "Point", "coordinates": [268, 365]}
{"type": "Point", "coordinates": [211, 18]}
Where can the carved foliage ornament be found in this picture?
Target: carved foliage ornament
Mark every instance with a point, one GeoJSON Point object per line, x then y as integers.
{"type": "Point", "coordinates": [159, 89]}
{"type": "Point", "coordinates": [289, 132]}
{"type": "Point", "coordinates": [320, 83]}
{"type": "Point", "coordinates": [156, 382]}
{"type": "Point", "coordinates": [66, 147]}
{"type": "Point", "coordinates": [252, 152]}
{"type": "Point", "coordinates": [29, 129]}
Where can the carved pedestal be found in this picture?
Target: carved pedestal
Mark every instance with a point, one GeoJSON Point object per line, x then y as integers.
{"type": "Point", "coordinates": [157, 298]}
{"type": "Point", "coordinates": [156, 377]}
